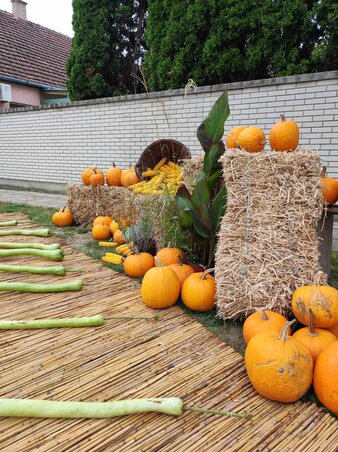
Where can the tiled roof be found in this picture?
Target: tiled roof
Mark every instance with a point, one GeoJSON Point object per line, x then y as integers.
{"type": "Point", "coordinates": [31, 52]}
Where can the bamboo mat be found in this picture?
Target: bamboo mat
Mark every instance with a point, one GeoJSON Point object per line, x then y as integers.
{"type": "Point", "coordinates": [174, 356]}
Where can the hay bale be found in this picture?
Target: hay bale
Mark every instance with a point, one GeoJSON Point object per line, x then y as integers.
{"type": "Point", "coordinates": [190, 170]}
{"type": "Point", "coordinates": [268, 243]}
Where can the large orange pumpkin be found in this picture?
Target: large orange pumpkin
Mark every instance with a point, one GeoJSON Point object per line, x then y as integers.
{"type": "Point", "coordinates": [99, 220]}
{"type": "Point", "coordinates": [232, 135]}
{"type": "Point", "coordinates": [315, 340]}
{"type": "Point", "coordinates": [323, 300]}
{"type": "Point", "coordinates": [278, 366]}
{"type": "Point", "coordinates": [118, 237]}
{"type": "Point", "coordinates": [198, 291]}
{"type": "Point", "coordinates": [97, 178]}
{"type": "Point", "coordinates": [138, 264]}
{"type": "Point", "coordinates": [325, 377]}
{"type": "Point", "coordinates": [263, 320]}
{"type": "Point", "coordinates": [129, 177]}
{"type": "Point", "coordinates": [63, 217]}
{"type": "Point", "coordinates": [252, 139]}
{"type": "Point", "coordinates": [284, 135]}
{"type": "Point", "coordinates": [160, 287]}
{"type": "Point", "coordinates": [334, 330]}
{"type": "Point", "coordinates": [113, 227]}
{"type": "Point", "coordinates": [100, 231]}
{"type": "Point", "coordinates": [86, 173]}
{"type": "Point", "coordinates": [168, 256]}
{"type": "Point", "coordinates": [329, 188]}
{"type": "Point", "coordinates": [182, 271]}
{"type": "Point", "coordinates": [113, 176]}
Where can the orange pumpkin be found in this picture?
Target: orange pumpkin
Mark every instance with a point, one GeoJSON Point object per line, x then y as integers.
{"type": "Point", "coordinates": [182, 270]}
{"type": "Point", "coordinates": [113, 227]}
{"type": "Point", "coordinates": [232, 135]}
{"type": "Point", "coordinates": [198, 291]}
{"type": "Point", "coordinates": [100, 231]}
{"type": "Point", "coordinates": [138, 264]}
{"type": "Point", "coordinates": [160, 287]}
{"type": "Point", "coordinates": [325, 377]}
{"type": "Point", "coordinates": [168, 256]}
{"type": "Point", "coordinates": [100, 220]}
{"type": "Point", "coordinates": [284, 135]}
{"type": "Point", "coordinates": [86, 173]}
{"type": "Point", "coordinates": [118, 237]}
{"type": "Point", "coordinates": [329, 188]}
{"type": "Point", "coordinates": [334, 330]}
{"type": "Point", "coordinates": [63, 217]}
{"type": "Point", "coordinates": [278, 366]}
{"type": "Point", "coordinates": [113, 176]}
{"type": "Point", "coordinates": [263, 320]}
{"type": "Point", "coordinates": [314, 340]}
{"type": "Point", "coordinates": [323, 300]}
{"type": "Point", "coordinates": [97, 178]}
{"type": "Point", "coordinates": [252, 139]}
{"type": "Point", "coordinates": [129, 177]}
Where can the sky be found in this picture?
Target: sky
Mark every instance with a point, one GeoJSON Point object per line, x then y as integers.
{"type": "Point", "coordinates": [53, 14]}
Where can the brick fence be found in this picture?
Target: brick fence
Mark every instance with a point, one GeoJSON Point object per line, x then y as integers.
{"type": "Point", "coordinates": [44, 147]}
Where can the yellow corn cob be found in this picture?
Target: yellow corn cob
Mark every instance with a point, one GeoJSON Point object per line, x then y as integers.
{"type": "Point", "coordinates": [150, 173]}
{"type": "Point", "coordinates": [159, 164]}
{"type": "Point", "coordinates": [174, 165]}
{"type": "Point", "coordinates": [108, 244]}
{"type": "Point", "coordinates": [128, 253]}
{"type": "Point", "coordinates": [116, 260]}
{"type": "Point", "coordinates": [120, 249]}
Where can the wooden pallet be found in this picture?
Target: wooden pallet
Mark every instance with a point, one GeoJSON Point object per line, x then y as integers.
{"type": "Point", "coordinates": [174, 356]}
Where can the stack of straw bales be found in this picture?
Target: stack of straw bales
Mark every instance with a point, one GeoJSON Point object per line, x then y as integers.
{"type": "Point", "coordinates": [268, 243]}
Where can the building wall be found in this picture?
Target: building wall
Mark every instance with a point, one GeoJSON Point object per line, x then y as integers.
{"type": "Point", "coordinates": [46, 146]}
{"type": "Point", "coordinates": [25, 95]}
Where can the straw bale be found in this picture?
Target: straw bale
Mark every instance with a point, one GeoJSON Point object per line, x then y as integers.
{"type": "Point", "coordinates": [190, 170]}
{"type": "Point", "coordinates": [268, 243]}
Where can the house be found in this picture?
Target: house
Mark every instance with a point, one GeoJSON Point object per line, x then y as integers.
{"type": "Point", "coordinates": [32, 61]}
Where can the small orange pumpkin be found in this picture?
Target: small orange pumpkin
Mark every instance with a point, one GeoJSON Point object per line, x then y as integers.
{"type": "Point", "coordinates": [263, 320]}
{"type": "Point", "coordinates": [329, 188]}
{"type": "Point", "coordinates": [113, 227]}
{"type": "Point", "coordinates": [182, 270]}
{"type": "Point", "coordinates": [138, 264]}
{"type": "Point", "coordinates": [334, 330]}
{"type": "Point", "coordinates": [284, 135]}
{"type": "Point", "coordinates": [252, 139]}
{"type": "Point", "coordinates": [100, 231]}
{"type": "Point", "coordinates": [97, 178]}
{"type": "Point", "coordinates": [278, 366]}
{"type": "Point", "coordinates": [198, 291]}
{"type": "Point", "coordinates": [160, 287]}
{"type": "Point", "coordinates": [99, 220]}
{"type": "Point", "coordinates": [129, 177]}
{"type": "Point", "coordinates": [314, 340]}
{"type": "Point", "coordinates": [325, 377]}
{"type": "Point", "coordinates": [118, 237]}
{"type": "Point", "coordinates": [63, 217]}
{"type": "Point", "coordinates": [323, 300]}
{"type": "Point", "coordinates": [86, 173]}
{"type": "Point", "coordinates": [168, 256]}
{"type": "Point", "coordinates": [113, 176]}
{"type": "Point", "coordinates": [232, 135]}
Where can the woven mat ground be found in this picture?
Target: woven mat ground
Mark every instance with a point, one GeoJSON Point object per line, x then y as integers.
{"type": "Point", "coordinates": [175, 356]}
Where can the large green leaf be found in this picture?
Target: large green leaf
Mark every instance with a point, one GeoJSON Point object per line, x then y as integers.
{"type": "Point", "coordinates": [184, 210]}
{"type": "Point", "coordinates": [212, 181]}
{"type": "Point", "coordinates": [200, 193]}
{"type": "Point", "coordinates": [212, 128]}
{"type": "Point", "coordinates": [212, 155]}
{"type": "Point", "coordinates": [218, 207]}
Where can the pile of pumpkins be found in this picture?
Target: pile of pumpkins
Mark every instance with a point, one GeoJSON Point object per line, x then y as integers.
{"type": "Point", "coordinates": [114, 177]}
{"type": "Point", "coordinates": [104, 227]}
{"type": "Point", "coordinates": [283, 137]}
{"type": "Point", "coordinates": [281, 366]}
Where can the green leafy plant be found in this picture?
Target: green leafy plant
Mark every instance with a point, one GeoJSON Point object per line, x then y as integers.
{"type": "Point", "coordinates": [200, 212]}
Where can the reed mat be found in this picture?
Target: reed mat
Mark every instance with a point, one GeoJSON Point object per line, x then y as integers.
{"type": "Point", "coordinates": [174, 356]}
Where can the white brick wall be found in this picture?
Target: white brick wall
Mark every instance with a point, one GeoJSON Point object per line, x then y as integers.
{"type": "Point", "coordinates": [54, 144]}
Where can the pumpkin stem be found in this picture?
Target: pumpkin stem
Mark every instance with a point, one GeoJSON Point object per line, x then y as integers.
{"type": "Point", "coordinates": [264, 315]}
{"type": "Point", "coordinates": [323, 173]}
{"type": "Point", "coordinates": [114, 165]}
{"type": "Point", "coordinates": [242, 414]}
{"type": "Point", "coordinates": [283, 335]}
{"type": "Point", "coordinates": [204, 274]}
{"type": "Point", "coordinates": [312, 331]}
{"type": "Point", "coordinates": [158, 262]}
{"type": "Point", "coordinates": [282, 115]}
{"type": "Point", "coordinates": [180, 260]}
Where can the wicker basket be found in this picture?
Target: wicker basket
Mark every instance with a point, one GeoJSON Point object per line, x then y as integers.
{"type": "Point", "coordinates": [172, 149]}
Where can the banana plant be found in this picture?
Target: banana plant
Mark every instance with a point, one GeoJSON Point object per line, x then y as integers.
{"type": "Point", "coordinates": [200, 212]}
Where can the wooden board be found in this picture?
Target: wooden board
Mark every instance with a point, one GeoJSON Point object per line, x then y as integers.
{"type": "Point", "coordinates": [174, 356]}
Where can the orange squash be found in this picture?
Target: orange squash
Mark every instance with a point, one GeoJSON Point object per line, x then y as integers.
{"type": "Point", "coordinates": [182, 270]}
{"type": "Point", "coordinates": [138, 264]}
{"type": "Point", "coordinates": [329, 188]}
{"type": "Point", "coordinates": [118, 237]}
{"type": "Point", "coordinates": [314, 340]}
{"type": "Point", "coordinates": [99, 220]}
{"type": "Point", "coordinates": [323, 300]}
{"type": "Point", "coordinates": [284, 135]}
{"type": "Point", "coordinates": [325, 377]}
{"type": "Point", "coordinates": [278, 366]}
{"type": "Point", "coordinates": [97, 178]}
{"type": "Point", "coordinates": [113, 176]}
{"type": "Point", "coordinates": [334, 330]}
{"type": "Point", "coordinates": [160, 287]}
{"type": "Point", "coordinates": [100, 231]}
{"type": "Point", "coordinates": [252, 139]}
{"type": "Point", "coordinates": [263, 320]}
{"type": "Point", "coordinates": [198, 291]}
{"type": "Point", "coordinates": [232, 135]}
{"type": "Point", "coordinates": [86, 173]}
{"type": "Point", "coordinates": [129, 177]}
{"type": "Point", "coordinates": [168, 255]}
{"type": "Point", "coordinates": [63, 217]}
{"type": "Point", "coordinates": [113, 227]}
